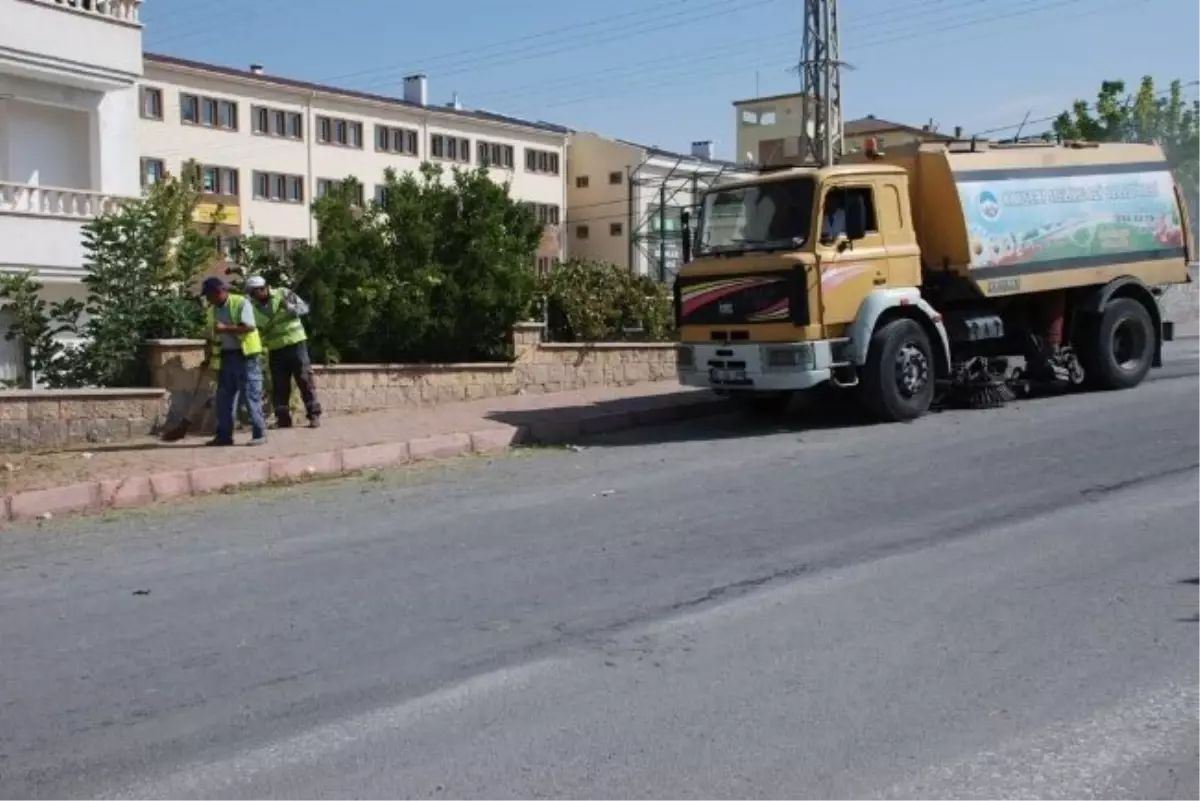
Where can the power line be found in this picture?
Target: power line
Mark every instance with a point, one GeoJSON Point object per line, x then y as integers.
{"type": "Point", "coordinates": [1026, 8]}
{"type": "Point", "coordinates": [472, 51]}
{"type": "Point", "coordinates": [676, 77]}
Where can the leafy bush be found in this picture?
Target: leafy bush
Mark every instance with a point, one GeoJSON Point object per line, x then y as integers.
{"type": "Point", "coordinates": [142, 264]}
{"type": "Point", "coordinates": [593, 301]}
{"type": "Point", "coordinates": [439, 271]}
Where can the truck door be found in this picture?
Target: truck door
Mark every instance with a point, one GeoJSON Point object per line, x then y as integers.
{"type": "Point", "coordinates": [850, 268]}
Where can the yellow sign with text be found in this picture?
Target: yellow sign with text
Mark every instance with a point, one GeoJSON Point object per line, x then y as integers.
{"type": "Point", "coordinates": [215, 213]}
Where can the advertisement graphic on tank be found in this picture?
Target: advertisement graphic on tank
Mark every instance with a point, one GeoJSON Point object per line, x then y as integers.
{"type": "Point", "coordinates": [1033, 220]}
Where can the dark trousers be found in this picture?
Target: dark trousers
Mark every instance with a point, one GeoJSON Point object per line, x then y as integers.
{"type": "Point", "coordinates": [289, 364]}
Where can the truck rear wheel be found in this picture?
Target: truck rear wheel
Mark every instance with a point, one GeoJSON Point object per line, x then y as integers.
{"type": "Point", "coordinates": [898, 380]}
{"type": "Point", "coordinates": [1121, 347]}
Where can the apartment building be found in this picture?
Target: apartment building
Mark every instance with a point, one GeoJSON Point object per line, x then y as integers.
{"type": "Point", "coordinates": [68, 141]}
{"type": "Point", "coordinates": [770, 129]}
{"type": "Point", "coordinates": [890, 134]}
{"type": "Point", "coordinates": [269, 145]}
{"type": "Point", "coordinates": [624, 200]}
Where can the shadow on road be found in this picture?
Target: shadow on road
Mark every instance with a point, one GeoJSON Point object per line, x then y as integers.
{"type": "Point", "coordinates": [737, 424]}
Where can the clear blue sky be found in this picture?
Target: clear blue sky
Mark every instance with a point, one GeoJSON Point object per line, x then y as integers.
{"type": "Point", "coordinates": [664, 72]}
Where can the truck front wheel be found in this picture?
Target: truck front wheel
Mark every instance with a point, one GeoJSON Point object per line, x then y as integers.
{"type": "Point", "coordinates": [898, 380]}
{"type": "Point", "coordinates": [1121, 346]}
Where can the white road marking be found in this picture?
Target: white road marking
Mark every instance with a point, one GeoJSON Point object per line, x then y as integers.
{"type": "Point", "coordinates": [207, 779]}
{"type": "Point", "coordinates": [1080, 760]}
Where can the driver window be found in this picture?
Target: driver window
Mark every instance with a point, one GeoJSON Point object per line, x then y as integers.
{"type": "Point", "coordinates": [838, 201]}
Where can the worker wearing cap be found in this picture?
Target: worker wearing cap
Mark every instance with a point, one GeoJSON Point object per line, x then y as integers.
{"type": "Point", "coordinates": [278, 313]}
{"type": "Point", "coordinates": [235, 355]}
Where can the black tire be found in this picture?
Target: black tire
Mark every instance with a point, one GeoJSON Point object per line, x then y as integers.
{"type": "Point", "coordinates": [1119, 348]}
{"type": "Point", "coordinates": [762, 404]}
{"type": "Point", "coordinates": [897, 383]}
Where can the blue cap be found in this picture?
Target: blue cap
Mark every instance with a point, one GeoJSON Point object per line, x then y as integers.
{"type": "Point", "coordinates": [211, 285]}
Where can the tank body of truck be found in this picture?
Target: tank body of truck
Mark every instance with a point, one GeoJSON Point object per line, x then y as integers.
{"type": "Point", "coordinates": [950, 259]}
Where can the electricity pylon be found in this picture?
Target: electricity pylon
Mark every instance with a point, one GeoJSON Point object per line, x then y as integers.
{"type": "Point", "coordinates": [821, 82]}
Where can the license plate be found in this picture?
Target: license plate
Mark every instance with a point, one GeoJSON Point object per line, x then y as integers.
{"type": "Point", "coordinates": [726, 376]}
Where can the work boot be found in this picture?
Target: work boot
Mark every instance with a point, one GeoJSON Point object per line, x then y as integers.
{"type": "Point", "coordinates": [314, 422]}
{"type": "Point", "coordinates": [217, 442]}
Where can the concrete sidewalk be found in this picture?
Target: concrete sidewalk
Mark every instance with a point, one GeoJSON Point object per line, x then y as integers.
{"type": "Point", "coordinates": [140, 473]}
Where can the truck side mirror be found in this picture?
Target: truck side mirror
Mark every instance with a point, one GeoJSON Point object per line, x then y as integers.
{"type": "Point", "coordinates": [685, 220]}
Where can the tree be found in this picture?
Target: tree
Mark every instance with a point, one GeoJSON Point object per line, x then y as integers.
{"type": "Point", "coordinates": [1146, 115]}
{"type": "Point", "coordinates": [142, 263]}
{"type": "Point", "coordinates": [438, 270]}
{"type": "Point", "coordinates": [591, 301]}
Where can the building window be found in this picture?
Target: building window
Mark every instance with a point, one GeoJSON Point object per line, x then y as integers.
{"type": "Point", "coordinates": [615, 229]}
{"type": "Point", "coordinates": [327, 186]}
{"type": "Point", "coordinates": [396, 140]}
{"type": "Point", "coordinates": [581, 182]}
{"type": "Point", "coordinates": [153, 171]}
{"type": "Point", "coordinates": [340, 132]}
{"type": "Point", "coordinates": [278, 188]}
{"type": "Point", "coordinates": [543, 161]}
{"type": "Point", "coordinates": [277, 123]}
{"type": "Point", "coordinates": [581, 232]}
{"type": "Point", "coordinates": [450, 148]}
{"type": "Point", "coordinates": [766, 118]}
{"type": "Point", "coordinates": [614, 177]}
{"type": "Point", "coordinates": [221, 181]}
{"type": "Point", "coordinates": [189, 109]}
{"type": "Point", "coordinates": [210, 112]}
{"type": "Point", "coordinates": [381, 194]}
{"type": "Point", "coordinates": [547, 214]}
{"type": "Point", "coordinates": [493, 154]}
{"type": "Point", "coordinates": [152, 103]}
{"type": "Point", "coordinates": [282, 247]}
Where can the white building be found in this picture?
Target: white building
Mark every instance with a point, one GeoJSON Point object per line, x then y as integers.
{"type": "Point", "coordinates": [269, 145]}
{"type": "Point", "coordinates": [68, 144]}
{"type": "Point", "coordinates": [625, 199]}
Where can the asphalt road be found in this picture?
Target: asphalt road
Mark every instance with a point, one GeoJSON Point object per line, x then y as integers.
{"type": "Point", "coordinates": [980, 604]}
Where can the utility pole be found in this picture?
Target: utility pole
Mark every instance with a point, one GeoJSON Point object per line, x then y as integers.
{"type": "Point", "coordinates": [821, 83]}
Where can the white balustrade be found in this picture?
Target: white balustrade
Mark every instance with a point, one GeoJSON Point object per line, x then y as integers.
{"type": "Point", "coordinates": [49, 201]}
{"type": "Point", "coordinates": [120, 10]}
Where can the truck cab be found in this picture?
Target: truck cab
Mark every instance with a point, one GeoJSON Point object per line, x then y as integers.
{"type": "Point", "coordinates": [773, 298]}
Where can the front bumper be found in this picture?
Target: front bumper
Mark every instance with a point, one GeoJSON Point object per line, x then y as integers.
{"type": "Point", "coordinates": [757, 367]}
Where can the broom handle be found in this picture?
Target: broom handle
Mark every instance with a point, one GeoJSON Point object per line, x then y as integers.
{"type": "Point", "coordinates": [201, 374]}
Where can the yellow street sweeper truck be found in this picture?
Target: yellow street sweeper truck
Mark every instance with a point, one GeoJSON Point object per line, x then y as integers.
{"type": "Point", "coordinates": [926, 273]}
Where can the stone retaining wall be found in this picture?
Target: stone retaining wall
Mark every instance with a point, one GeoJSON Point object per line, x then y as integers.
{"type": "Point", "coordinates": [537, 367]}
{"type": "Point", "coordinates": [34, 419]}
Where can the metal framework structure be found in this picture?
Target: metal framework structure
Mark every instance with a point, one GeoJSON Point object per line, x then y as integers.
{"type": "Point", "coordinates": [821, 82]}
{"type": "Point", "coordinates": [663, 249]}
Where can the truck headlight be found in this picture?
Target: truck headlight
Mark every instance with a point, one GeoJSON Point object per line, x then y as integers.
{"type": "Point", "coordinates": [788, 357]}
{"type": "Point", "coordinates": [685, 357]}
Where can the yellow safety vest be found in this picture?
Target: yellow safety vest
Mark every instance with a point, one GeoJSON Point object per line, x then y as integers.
{"type": "Point", "coordinates": [251, 342]}
{"type": "Point", "coordinates": [278, 328]}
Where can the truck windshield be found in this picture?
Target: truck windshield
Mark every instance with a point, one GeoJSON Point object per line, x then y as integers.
{"type": "Point", "coordinates": [769, 216]}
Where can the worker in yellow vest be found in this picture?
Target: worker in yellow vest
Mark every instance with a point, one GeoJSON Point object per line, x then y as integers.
{"type": "Point", "coordinates": [278, 313]}
{"type": "Point", "coordinates": [236, 356]}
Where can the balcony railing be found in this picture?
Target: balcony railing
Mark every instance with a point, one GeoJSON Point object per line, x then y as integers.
{"type": "Point", "coordinates": [119, 10]}
{"type": "Point", "coordinates": [48, 201]}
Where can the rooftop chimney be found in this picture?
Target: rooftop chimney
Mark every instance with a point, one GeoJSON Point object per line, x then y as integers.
{"type": "Point", "coordinates": [958, 132]}
{"type": "Point", "coordinates": [257, 69]}
{"type": "Point", "coordinates": [416, 90]}
{"type": "Point", "coordinates": [703, 150]}
{"type": "Point", "coordinates": [454, 104]}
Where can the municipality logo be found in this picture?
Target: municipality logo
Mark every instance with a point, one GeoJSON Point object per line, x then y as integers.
{"type": "Point", "coordinates": [989, 206]}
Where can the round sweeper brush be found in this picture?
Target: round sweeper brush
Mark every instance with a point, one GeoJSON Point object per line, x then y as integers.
{"type": "Point", "coordinates": [988, 396]}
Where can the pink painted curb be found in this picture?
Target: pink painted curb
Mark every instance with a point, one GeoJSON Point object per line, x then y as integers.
{"type": "Point", "coordinates": [124, 493]}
